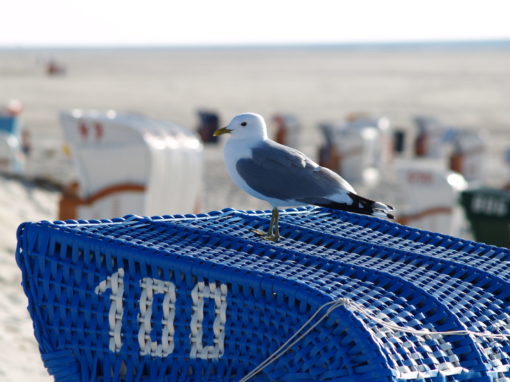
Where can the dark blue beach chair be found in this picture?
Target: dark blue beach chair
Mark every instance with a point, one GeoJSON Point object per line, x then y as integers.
{"type": "Point", "coordinates": [201, 298]}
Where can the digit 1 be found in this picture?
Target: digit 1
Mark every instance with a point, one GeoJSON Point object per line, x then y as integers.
{"type": "Point", "coordinates": [115, 282]}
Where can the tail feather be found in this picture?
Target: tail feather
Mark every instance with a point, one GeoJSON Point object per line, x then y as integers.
{"type": "Point", "coordinates": [361, 205]}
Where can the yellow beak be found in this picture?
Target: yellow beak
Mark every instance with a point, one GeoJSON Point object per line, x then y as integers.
{"type": "Point", "coordinates": [222, 130]}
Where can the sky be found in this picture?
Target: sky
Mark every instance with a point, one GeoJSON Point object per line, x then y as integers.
{"type": "Point", "coordinates": [241, 22]}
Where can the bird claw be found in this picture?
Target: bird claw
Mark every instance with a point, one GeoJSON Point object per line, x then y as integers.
{"type": "Point", "coordinates": [267, 236]}
{"type": "Point", "coordinates": [272, 238]}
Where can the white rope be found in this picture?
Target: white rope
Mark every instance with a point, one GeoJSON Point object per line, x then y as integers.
{"type": "Point", "coordinates": [296, 337]}
{"type": "Point", "coordinates": [354, 307]}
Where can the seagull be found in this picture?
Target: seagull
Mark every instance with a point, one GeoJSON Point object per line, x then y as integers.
{"type": "Point", "coordinates": [285, 177]}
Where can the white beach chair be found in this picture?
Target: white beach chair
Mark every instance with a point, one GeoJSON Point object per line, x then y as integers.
{"type": "Point", "coordinates": [130, 164]}
{"type": "Point", "coordinates": [428, 195]}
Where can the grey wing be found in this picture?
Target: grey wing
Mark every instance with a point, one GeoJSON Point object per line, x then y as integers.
{"type": "Point", "coordinates": [280, 172]}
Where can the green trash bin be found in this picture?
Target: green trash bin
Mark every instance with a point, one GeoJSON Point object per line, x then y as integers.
{"type": "Point", "coordinates": [488, 211]}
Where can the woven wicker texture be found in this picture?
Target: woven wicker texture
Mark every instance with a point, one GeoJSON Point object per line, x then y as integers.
{"type": "Point", "coordinates": [201, 298]}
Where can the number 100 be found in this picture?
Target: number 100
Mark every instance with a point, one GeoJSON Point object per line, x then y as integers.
{"type": "Point", "coordinates": [164, 347]}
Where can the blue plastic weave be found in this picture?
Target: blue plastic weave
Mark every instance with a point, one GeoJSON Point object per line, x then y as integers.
{"type": "Point", "coordinates": [202, 298]}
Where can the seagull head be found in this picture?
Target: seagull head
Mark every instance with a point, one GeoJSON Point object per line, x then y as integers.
{"type": "Point", "coordinates": [245, 126]}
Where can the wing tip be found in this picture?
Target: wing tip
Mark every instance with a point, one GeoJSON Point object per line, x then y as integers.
{"type": "Point", "coordinates": [383, 206]}
{"type": "Point", "coordinates": [383, 214]}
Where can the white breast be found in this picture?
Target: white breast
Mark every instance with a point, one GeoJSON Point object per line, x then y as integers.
{"type": "Point", "coordinates": [234, 150]}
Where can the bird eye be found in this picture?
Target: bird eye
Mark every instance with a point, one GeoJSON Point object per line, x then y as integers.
{"type": "Point", "coordinates": [243, 123]}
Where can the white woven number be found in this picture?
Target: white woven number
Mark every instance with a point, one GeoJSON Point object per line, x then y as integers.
{"type": "Point", "coordinates": [115, 282]}
{"type": "Point", "coordinates": [150, 287]}
{"type": "Point", "coordinates": [200, 292]}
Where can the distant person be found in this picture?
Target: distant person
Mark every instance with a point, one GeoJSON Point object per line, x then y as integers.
{"type": "Point", "coordinates": [53, 68]}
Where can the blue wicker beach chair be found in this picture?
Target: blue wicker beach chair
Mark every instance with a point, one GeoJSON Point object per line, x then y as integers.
{"type": "Point", "coordinates": [201, 298]}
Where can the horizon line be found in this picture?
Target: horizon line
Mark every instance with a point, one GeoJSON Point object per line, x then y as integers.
{"type": "Point", "coordinates": [262, 45]}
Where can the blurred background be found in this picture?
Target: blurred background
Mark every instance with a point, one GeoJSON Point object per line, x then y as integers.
{"type": "Point", "coordinates": [107, 108]}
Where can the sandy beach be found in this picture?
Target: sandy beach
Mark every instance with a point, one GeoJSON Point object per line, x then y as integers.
{"type": "Point", "coordinates": [461, 87]}
{"type": "Point", "coordinates": [19, 354]}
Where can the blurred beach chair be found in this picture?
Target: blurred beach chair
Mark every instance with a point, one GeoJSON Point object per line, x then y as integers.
{"type": "Point", "coordinates": [54, 68]}
{"type": "Point", "coordinates": [347, 151]}
{"type": "Point", "coordinates": [287, 130]}
{"type": "Point", "coordinates": [327, 153]}
{"type": "Point", "coordinates": [425, 189]}
{"type": "Point", "coordinates": [429, 140]}
{"type": "Point", "coordinates": [12, 158]}
{"type": "Point", "coordinates": [209, 122]}
{"type": "Point", "coordinates": [129, 163]}
{"type": "Point", "coordinates": [488, 211]}
{"type": "Point", "coordinates": [469, 154]}
{"type": "Point", "coordinates": [201, 298]}
{"type": "Point", "coordinates": [463, 149]}
{"type": "Point", "coordinates": [357, 149]}
{"type": "Point", "coordinates": [399, 141]}
{"type": "Point", "coordinates": [428, 196]}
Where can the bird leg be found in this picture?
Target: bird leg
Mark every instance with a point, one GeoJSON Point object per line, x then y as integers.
{"type": "Point", "coordinates": [274, 225]}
